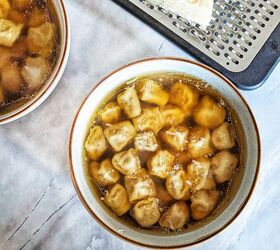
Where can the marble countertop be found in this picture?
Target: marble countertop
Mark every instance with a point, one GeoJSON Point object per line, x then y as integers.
{"type": "Point", "coordinates": [39, 208]}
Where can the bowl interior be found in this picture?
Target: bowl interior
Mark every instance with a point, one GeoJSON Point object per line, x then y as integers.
{"type": "Point", "coordinates": [241, 187]}
{"type": "Point", "coordinates": [18, 110]}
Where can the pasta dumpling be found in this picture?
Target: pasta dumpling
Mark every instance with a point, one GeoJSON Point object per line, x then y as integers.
{"type": "Point", "coordinates": [223, 165]}
{"type": "Point", "coordinates": [146, 212]}
{"type": "Point", "coordinates": [139, 186]}
{"type": "Point", "coordinates": [4, 8]}
{"type": "Point", "coordinates": [150, 119]}
{"type": "Point", "coordinates": [161, 164]}
{"type": "Point", "coordinates": [96, 143]}
{"type": "Point", "coordinates": [120, 134]}
{"type": "Point", "coordinates": [203, 203]}
{"type": "Point", "coordinates": [117, 199]}
{"type": "Point", "coordinates": [10, 78]}
{"type": "Point", "coordinates": [176, 216]}
{"type": "Point", "coordinates": [200, 175]}
{"type": "Point", "coordinates": [127, 162]}
{"type": "Point", "coordinates": [223, 137]}
{"type": "Point", "coordinates": [177, 185]}
{"type": "Point", "coordinates": [177, 137]}
{"type": "Point", "coordinates": [35, 71]}
{"type": "Point", "coordinates": [184, 97]}
{"type": "Point", "coordinates": [41, 39]}
{"type": "Point", "coordinates": [146, 141]}
{"type": "Point", "coordinates": [9, 32]}
{"type": "Point", "coordinates": [104, 173]}
{"type": "Point", "coordinates": [199, 142]}
{"type": "Point", "coordinates": [37, 18]}
{"type": "Point", "coordinates": [172, 115]}
{"type": "Point", "coordinates": [150, 91]}
{"type": "Point", "coordinates": [111, 113]}
{"type": "Point", "coordinates": [129, 102]}
{"type": "Point", "coordinates": [209, 113]}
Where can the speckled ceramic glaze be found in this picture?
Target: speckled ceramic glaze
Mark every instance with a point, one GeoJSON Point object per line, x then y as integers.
{"type": "Point", "coordinates": [154, 238]}
{"type": "Point", "coordinates": [57, 71]}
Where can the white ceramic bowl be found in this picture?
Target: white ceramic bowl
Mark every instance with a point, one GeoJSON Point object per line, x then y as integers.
{"type": "Point", "coordinates": [150, 238]}
{"type": "Point", "coordinates": [57, 71]}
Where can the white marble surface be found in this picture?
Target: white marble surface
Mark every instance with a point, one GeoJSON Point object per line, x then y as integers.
{"type": "Point", "coordinates": [38, 205]}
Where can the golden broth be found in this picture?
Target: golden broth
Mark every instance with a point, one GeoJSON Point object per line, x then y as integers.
{"type": "Point", "coordinates": [226, 190]}
{"type": "Point", "coordinates": [18, 63]}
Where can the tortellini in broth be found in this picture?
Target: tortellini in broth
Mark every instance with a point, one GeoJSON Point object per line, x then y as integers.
{"type": "Point", "coordinates": [104, 173]}
{"type": "Point", "coordinates": [176, 216]}
{"type": "Point", "coordinates": [117, 199]}
{"type": "Point", "coordinates": [139, 186]}
{"type": "Point", "coordinates": [120, 134]}
{"type": "Point", "coordinates": [29, 48]}
{"type": "Point", "coordinates": [146, 212]}
{"type": "Point", "coordinates": [163, 151]}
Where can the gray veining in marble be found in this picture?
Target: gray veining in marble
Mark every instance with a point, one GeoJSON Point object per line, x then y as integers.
{"type": "Point", "coordinates": [38, 205]}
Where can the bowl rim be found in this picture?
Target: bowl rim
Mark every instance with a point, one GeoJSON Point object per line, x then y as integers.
{"type": "Point", "coordinates": [42, 96]}
{"type": "Point", "coordinates": [115, 232]}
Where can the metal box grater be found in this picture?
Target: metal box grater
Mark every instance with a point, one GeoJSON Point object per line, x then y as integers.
{"type": "Point", "coordinates": [242, 40]}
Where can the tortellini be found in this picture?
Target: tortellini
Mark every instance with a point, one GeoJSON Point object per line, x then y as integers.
{"type": "Point", "coordinates": [177, 185]}
{"type": "Point", "coordinates": [10, 78]}
{"type": "Point", "coordinates": [177, 137]}
{"type": "Point", "coordinates": [96, 143]}
{"type": "Point", "coordinates": [150, 119]}
{"type": "Point", "coordinates": [172, 115]}
{"type": "Point", "coordinates": [41, 39]}
{"type": "Point", "coordinates": [184, 97]}
{"type": "Point", "coordinates": [200, 142]}
{"type": "Point", "coordinates": [161, 164]}
{"type": "Point", "coordinates": [139, 186]}
{"type": "Point", "coordinates": [209, 113]}
{"type": "Point", "coordinates": [146, 141]}
{"type": "Point", "coordinates": [200, 175]}
{"type": "Point", "coordinates": [35, 71]}
{"type": "Point", "coordinates": [176, 216]}
{"type": "Point", "coordinates": [203, 203]}
{"type": "Point", "coordinates": [223, 137]}
{"type": "Point", "coordinates": [117, 199]}
{"type": "Point", "coordinates": [104, 173]}
{"type": "Point", "coordinates": [223, 165]}
{"type": "Point", "coordinates": [111, 113]}
{"type": "Point", "coordinates": [150, 91]}
{"type": "Point", "coordinates": [37, 18]}
{"type": "Point", "coordinates": [120, 134]}
{"type": "Point", "coordinates": [127, 162]}
{"type": "Point", "coordinates": [4, 8]}
{"type": "Point", "coordinates": [146, 212]}
{"type": "Point", "coordinates": [129, 102]}
{"type": "Point", "coordinates": [9, 32]}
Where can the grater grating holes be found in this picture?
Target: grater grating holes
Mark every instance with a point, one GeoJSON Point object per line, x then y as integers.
{"type": "Point", "coordinates": [235, 28]}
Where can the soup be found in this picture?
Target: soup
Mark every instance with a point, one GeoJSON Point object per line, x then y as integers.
{"type": "Point", "coordinates": [29, 46]}
{"type": "Point", "coordinates": [163, 150]}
